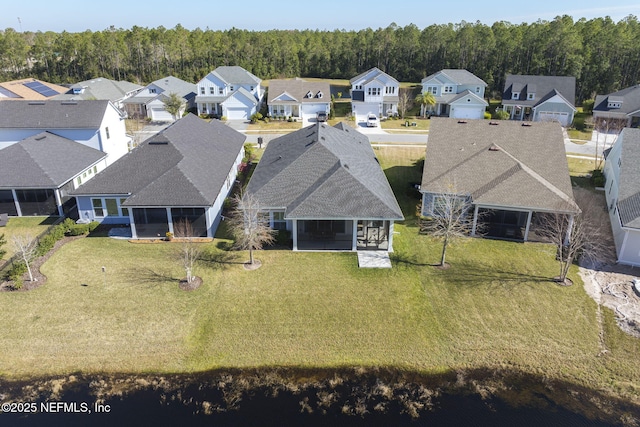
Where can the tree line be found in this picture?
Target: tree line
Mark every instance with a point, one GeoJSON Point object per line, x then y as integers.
{"type": "Point", "coordinates": [602, 54]}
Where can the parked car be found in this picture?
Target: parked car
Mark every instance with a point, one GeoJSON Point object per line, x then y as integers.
{"type": "Point", "coordinates": [321, 116]}
{"type": "Point", "coordinates": [372, 121]}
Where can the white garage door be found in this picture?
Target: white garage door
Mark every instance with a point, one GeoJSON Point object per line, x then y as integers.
{"type": "Point", "coordinates": [467, 113]}
{"type": "Point", "coordinates": [363, 110]}
{"type": "Point", "coordinates": [309, 111]}
{"type": "Point", "coordinates": [161, 115]}
{"type": "Point", "coordinates": [563, 118]}
{"type": "Point", "coordinates": [237, 114]}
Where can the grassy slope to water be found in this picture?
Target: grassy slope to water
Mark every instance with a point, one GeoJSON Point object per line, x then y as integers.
{"type": "Point", "coordinates": [494, 308]}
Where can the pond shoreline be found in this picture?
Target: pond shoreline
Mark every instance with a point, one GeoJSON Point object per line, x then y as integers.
{"type": "Point", "coordinates": [288, 396]}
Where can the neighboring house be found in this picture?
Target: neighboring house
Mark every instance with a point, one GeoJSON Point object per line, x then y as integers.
{"type": "Point", "coordinates": [96, 124]}
{"type": "Point", "coordinates": [182, 173]}
{"type": "Point", "coordinates": [374, 92]}
{"type": "Point", "coordinates": [101, 88]}
{"type": "Point", "coordinates": [459, 94]}
{"type": "Point", "coordinates": [622, 190]}
{"type": "Point", "coordinates": [540, 98]}
{"type": "Point", "coordinates": [29, 90]}
{"type": "Point", "coordinates": [509, 172]}
{"type": "Point", "coordinates": [324, 184]}
{"type": "Point", "coordinates": [38, 173]}
{"type": "Point", "coordinates": [623, 105]}
{"type": "Point", "coordinates": [298, 98]}
{"type": "Point", "coordinates": [149, 102]}
{"type": "Point", "coordinates": [231, 92]}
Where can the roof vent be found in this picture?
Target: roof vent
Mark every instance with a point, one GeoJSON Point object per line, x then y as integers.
{"type": "Point", "coordinates": [69, 103]}
{"type": "Point", "coordinates": [158, 142]}
{"type": "Point", "coordinates": [36, 103]}
{"type": "Point", "coordinates": [494, 147]}
{"type": "Point", "coordinates": [527, 124]}
{"type": "Point", "coordinates": [40, 138]}
{"type": "Point", "coordinates": [462, 121]}
{"type": "Point", "coordinates": [492, 123]}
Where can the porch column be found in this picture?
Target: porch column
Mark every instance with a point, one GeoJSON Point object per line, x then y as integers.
{"type": "Point", "coordinates": [567, 236]}
{"type": "Point", "coordinates": [56, 192]}
{"type": "Point", "coordinates": [512, 111]}
{"type": "Point", "coordinates": [294, 234]}
{"type": "Point", "coordinates": [15, 201]}
{"type": "Point", "coordinates": [354, 232]}
{"type": "Point", "coordinates": [475, 221]}
{"type": "Point", "coordinates": [134, 234]}
{"type": "Point", "coordinates": [170, 221]}
{"type": "Point", "coordinates": [390, 249]}
{"type": "Point", "coordinates": [526, 230]}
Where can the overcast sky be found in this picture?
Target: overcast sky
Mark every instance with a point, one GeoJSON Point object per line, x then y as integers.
{"type": "Point", "coordinates": [77, 16]}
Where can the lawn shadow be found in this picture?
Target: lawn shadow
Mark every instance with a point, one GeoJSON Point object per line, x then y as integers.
{"type": "Point", "coordinates": [408, 259]}
{"type": "Point", "coordinates": [153, 278]}
{"type": "Point", "coordinates": [473, 274]}
{"type": "Point", "coordinates": [219, 259]}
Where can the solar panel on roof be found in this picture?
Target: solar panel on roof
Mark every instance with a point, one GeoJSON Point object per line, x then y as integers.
{"type": "Point", "coordinates": [41, 88]}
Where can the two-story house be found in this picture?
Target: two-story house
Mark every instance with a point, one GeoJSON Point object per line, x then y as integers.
{"type": "Point", "coordinates": [229, 91]}
{"type": "Point", "coordinates": [622, 190]}
{"type": "Point", "coordinates": [540, 98]}
{"type": "Point", "coordinates": [458, 93]}
{"type": "Point", "coordinates": [374, 92]}
{"type": "Point", "coordinates": [149, 102]}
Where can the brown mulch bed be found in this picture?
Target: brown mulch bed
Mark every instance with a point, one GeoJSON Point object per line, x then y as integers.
{"type": "Point", "coordinates": [196, 282]}
{"type": "Point", "coordinates": [256, 265]}
{"type": "Point", "coordinates": [39, 278]}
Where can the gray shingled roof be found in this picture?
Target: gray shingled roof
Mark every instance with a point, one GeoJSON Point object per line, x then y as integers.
{"type": "Point", "coordinates": [541, 86]}
{"type": "Point", "coordinates": [629, 178]}
{"type": "Point", "coordinates": [44, 160]}
{"type": "Point", "coordinates": [184, 165]}
{"type": "Point", "coordinates": [235, 74]}
{"type": "Point", "coordinates": [298, 88]}
{"type": "Point", "coordinates": [630, 98]}
{"type": "Point", "coordinates": [323, 172]}
{"type": "Point", "coordinates": [169, 85]}
{"type": "Point", "coordinates": [459, 76]}
{"type": "Point", "coordinates": [375, 73]}
{"type": "Point", "coordinates": [499, 163]}
{"type": "Point", "coordinates": [100, 88]}
{"type": "Point", "coordinates": [52, 114]}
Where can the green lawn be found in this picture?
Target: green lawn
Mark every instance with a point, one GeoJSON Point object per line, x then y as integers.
{"type": "Point", "coordinates": [580, 167]}
{"type": "Point", "coordinates": [494, 308]}
{"type": "Point", "coordinates": [33, 225]}
{"type": "Point", "coordinates": [399, 125]}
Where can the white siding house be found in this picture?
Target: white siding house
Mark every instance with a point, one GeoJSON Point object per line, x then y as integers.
{"type": "Point", "coordinates": [459, 94]}
{"type": "Point", "coordinates": [374, 92]}
{"type": "Point", "coordinates": [229, 91]}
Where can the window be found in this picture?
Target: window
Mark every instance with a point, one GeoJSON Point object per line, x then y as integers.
{"type": "Point", "coordinates": [220, 91]}
{"type": "Point", "coordinates": [278, 221]}
{"type": "Point", "coordinates": [112, 207]}
{"type": "Point", "coordinates": [515, 95]}
{"type": "Point", "coordinates": [95, 169]}
{"type": "Point", "coordinates": [201, 90]}
{"type": "Point", "coordinates": [79, 180]}
{"type": "Point", "coordinates": [432, 89]}
{"type": "Point", "coordinates": [448, 89]}
{"type": "Point", "coordinates": [97, 208]}
{"type": "Point", "coordinates": [212, 90]}
{"type": "Point", "coordinates": [531, 96]}
{"type": "Point", "coordinates": [125, 211]}
{"type": "Point", "coordinates": [477, 89]}
{"type": "Point", "coordinates": [319, 95]}
{"type": "Point", "coordinates": [373, 91]}
{"type": "Point", "coordinates": [358, 87]}
{"type": "Point", "coordinates": [309, 94]}
{"type": "Point", "coordinates": [252, 88]}
{"type": "Point", "coordinates": [231, 88]}
{"type": "Point", "coordinates": [152, 90]}
{"type": "Point", "coordinates": [106, 130]}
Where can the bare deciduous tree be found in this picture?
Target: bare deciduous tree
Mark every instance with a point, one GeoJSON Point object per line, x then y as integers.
{"type": "Point", "coordinates": [574, 236]}
{"type": "Point", "coordinates": [25, 246]}
{"type": "Point", "coordinates": [249, 225]}
{"type": "Point", "coordinates": [405, 101]}
{"type": "Point", "coordinates": [449, 218]}
{"type": "Point", "coordinates": [607, 131]}
{"type": "Point", "coordinates": [189, 250]}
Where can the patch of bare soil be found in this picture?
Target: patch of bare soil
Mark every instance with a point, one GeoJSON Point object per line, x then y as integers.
{"type": "Point", "coordinates": [39, 279]}
{"type": "Point", "coordinates": [607, 283]}
{"type": "Point", "coordinates": [256, 265]}
{"type": "Point", "coordinates": [195, 283]}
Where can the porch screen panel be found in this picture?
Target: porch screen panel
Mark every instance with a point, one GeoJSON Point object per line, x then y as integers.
{"type": "Point", "coordinates": [193, 216]}
{"type": "Point", "coordinates": [69, 206]}
{"type": "Point", "coordinates": [7, 204]}
{"type": "Point", "coordinates": [151, 222]}
{"type": "Point", "coordinates": [37, 202]}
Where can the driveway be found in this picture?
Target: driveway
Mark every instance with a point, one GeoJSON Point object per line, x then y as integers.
{"type": "Point", "coordinates": [239, 125]}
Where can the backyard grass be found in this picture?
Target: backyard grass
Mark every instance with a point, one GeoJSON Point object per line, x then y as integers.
{"type": "Point", "coordinates": [495, 308]}
{"type": "Point", "coordinates": [580, 167]}
{"type": "Point", "coordinates": [33, 225]}
{"type": "Point", "coordinates": [399, 125]}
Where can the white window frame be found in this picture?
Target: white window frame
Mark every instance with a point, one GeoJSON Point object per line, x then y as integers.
{"type": "Point", "coordinates": [103, 207]}
{"type": "Point", "coordinates": [515, 95]}
{"type": "Point", "coordinates": [448, 89]}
